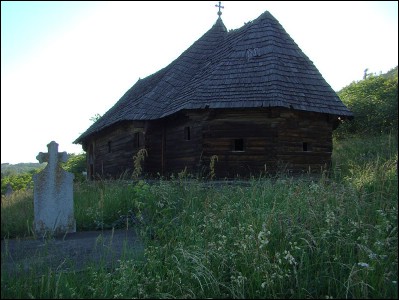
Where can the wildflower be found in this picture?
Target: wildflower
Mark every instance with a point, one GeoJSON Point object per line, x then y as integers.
{"type": "Point", "coordinates": [294, 246]}
{"type": "Point", "coordinates": [262, 237]}
{"type": "Point", "coordinates": [277, 255]}
{"type": "Point", "coordinates": [372, 255]}
{"type": "Point", "coordinates": [289, 258]}
{"type": "Point", "coordinates": [362, 264]}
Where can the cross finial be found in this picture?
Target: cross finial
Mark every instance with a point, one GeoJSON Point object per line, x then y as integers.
{"type": "Point", "coordinates": [220, 6]}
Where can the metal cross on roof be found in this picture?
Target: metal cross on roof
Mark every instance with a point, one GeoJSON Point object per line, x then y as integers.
{"type": "Point", "coordinates": [220, 6]}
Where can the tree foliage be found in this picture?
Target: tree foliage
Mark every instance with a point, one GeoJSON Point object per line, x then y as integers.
{"type": "Point", "coordinates": [75, 164]}
{"type": "Point", "coordinates": [374, 103]}
{"type": "Point", "coordinates": [18, 181]}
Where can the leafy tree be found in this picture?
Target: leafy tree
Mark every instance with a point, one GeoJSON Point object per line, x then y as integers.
{"type": "Point", "coordinates": [374, 103]}
{"type": "Point", "coordinates": [18, 181]}
{"type": "Point", "coordinates": [76, 164]}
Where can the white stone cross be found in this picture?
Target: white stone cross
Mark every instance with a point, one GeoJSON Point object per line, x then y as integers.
{"type": "Point", "coordinates": [53, 195]}
{"type": "Point", "coordinates": [52, 157]}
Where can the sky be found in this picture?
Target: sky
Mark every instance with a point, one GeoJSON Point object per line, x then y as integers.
{"type": "Point", "coordinates": [63, 62]}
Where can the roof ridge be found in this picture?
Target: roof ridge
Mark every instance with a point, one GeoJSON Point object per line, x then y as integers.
{"type": "Point", "coordinates": [236, 50]}
{"type": "Point", "coordinates": [256, 65]}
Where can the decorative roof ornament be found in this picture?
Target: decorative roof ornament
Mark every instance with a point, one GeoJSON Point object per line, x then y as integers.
{"type": "Point", "coordinates": [220, 6]}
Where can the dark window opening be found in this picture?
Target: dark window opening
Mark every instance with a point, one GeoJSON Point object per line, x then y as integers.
{"type": "Point", "coordinates": [138, 140]}
{"type": "Point", "coordinates": [305, 146]}
{"type": "Point", "coordinates": [109, 147]}
{"type": "Point", "coordinates": [239, 145]}
{"type": "Point", "coordinates": [91, 162]}
{"type": "Point", "coordinates": [91, 172]}
{"type": "Point", "coordinates": [187, 135]}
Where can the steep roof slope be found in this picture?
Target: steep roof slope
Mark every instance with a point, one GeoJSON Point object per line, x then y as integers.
{"type": "Point", "coordinates": [148, 97]}
{"type": "Point", "coordinates": [258, 65]}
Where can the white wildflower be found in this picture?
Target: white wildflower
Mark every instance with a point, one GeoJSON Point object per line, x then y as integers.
{"type": "Point", "coordinates": [289, 258]}
{"type": "Point", "coordinates": [363, 264]}
{"type": "Point", "coordinates": [372, 255]}
{"type": "Point", "coordinates": [263, 236]}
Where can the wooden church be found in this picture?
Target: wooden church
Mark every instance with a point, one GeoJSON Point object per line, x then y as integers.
{"type": "Point", "coordinates": [250, 96]}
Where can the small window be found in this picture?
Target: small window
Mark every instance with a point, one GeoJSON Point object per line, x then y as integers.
{"type": "Point", "coordinates": [137, 140]}
{"type": "Point", "coordinates": [305, 146]}
{"type": "Point", "coordinates": [187, 135]}
{"type": "Point", "coordinates": [109, 147]}
{"type": "Point", "coordinates": [239, 145]}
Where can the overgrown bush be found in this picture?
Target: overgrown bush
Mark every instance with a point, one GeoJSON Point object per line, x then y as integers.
{"type": "Point", "coordinates": [374, 103]}
{"type": "Point", "coordinates": [76, 164]}
{"type": "Point", "coordinates": [17, 181]}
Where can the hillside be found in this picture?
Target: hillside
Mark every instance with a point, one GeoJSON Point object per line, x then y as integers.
{"type": "Point", "coordinates": [20, 168]}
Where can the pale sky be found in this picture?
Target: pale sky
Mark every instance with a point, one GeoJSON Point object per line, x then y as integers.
{"type": "Point", "coordinates": [64, 62]}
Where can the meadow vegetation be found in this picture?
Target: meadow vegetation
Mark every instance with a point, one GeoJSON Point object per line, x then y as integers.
{"type": "Point", "coordinates": [327, 237]}
{"type": "Point", "coordinates": [277, 237]}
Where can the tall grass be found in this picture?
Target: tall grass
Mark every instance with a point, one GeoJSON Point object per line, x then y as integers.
{"type": "Point", "coordinates": [17, 214]}
{"type": "Point", "coordinates": [104, 205]}
{"type": "Point", "coordinates": [282, 237]}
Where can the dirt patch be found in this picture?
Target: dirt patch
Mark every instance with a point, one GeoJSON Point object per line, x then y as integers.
{"type": "Point", "coordinates": [74, 251]}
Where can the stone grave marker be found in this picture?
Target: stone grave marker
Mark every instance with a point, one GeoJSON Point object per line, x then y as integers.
{"type": "Point", "coordinates": [53, 195]}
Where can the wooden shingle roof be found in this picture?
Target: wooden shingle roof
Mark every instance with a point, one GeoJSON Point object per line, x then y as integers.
{"type": "Point", "coordinates": [257, 65]}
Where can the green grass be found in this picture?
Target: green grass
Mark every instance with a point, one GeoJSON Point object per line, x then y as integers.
{"type": "Point", "coordinates": [17, 214]}
{"type": "Point", "coordinates": [331, 237]}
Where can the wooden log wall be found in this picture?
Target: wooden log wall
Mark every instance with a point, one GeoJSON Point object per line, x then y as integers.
{"type": "Point", "coordinates": [275, 140]}
{"type": "Point", "coordinates": [258, 131]}
{"type": "Point", "coordinates": [114, 149]}
{"type": "Point", "coordinates": [272, 140]}
{"type": "Point", "coordinates": [170, 150]}
{"type": "Point", "coordinates": [304, 142]}
{"type": "Point", "coordinates": [154, 145]}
